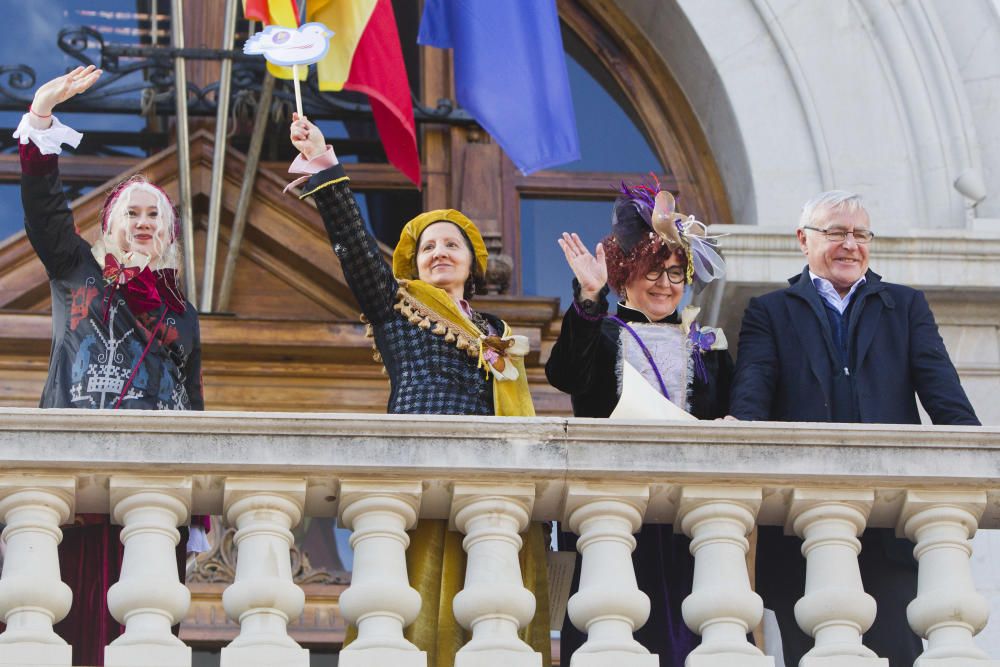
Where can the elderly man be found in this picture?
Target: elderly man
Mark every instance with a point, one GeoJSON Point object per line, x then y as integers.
{"type": "Point", "coordinates": [840, 345]}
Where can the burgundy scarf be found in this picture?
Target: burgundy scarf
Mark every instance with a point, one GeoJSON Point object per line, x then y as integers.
{"type": "Point", "coordinates": [144, 290]}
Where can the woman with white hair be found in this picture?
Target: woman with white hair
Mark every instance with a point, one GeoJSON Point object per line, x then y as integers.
{"type": "Point", "coordinates": [123, 336]}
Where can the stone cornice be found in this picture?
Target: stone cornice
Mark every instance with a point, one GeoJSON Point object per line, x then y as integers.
{"type": "Point", "coordinates": [932, 259]}
{"type": "Point", "coordinates": [547, 451]}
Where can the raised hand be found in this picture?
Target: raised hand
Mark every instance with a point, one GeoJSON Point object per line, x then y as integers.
{"type": "Point", "coordinates": [590, 270]}
{"type": "Point", "coordinates": [60, 89]}
{"type": "Point", "coordinates": [306, 137]}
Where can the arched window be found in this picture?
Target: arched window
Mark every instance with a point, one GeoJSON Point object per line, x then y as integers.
{"type": "Point", "coordinates": [632, 120]}
{"type": "Point", "coordinates": [612, 141]}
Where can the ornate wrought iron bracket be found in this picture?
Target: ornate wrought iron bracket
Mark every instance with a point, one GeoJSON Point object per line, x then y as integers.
{"type": "Point", "coordinates": [140, 80]}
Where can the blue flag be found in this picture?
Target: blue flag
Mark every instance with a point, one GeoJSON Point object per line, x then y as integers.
{"type": "Point", "coordinates": [510, 74]}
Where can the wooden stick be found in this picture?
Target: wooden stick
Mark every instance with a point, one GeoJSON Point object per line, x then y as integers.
{"type": "Point", "coordinates": [298, 90]}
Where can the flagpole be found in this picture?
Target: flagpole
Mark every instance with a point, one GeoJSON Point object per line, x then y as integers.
{"type": "Point", "coordinates": [246, 191]}
{"type": "Point", "coordinates": [183, 151]}
{"type": "Point", "coordinates": [298, 90]}
{"type": "Point", "coordinates": [218, 161]}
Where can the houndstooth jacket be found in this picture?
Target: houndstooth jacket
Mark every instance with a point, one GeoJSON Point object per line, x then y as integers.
{"type": "Point", "coordinates": [427, 375]}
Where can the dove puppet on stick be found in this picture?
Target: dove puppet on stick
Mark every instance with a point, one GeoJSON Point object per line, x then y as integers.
{"type": "Point", "coordinates": [291, 47]}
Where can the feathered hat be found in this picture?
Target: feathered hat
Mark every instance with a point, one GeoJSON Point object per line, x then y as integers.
{"type": "Point", "coordinates": [643, 210]}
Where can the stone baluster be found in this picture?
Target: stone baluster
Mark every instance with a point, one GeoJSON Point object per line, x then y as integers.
{"type": "Point", "coordinates": [380, 601]}
{"type": "Point", "coordinates": [721, 608]}
{"type": "Point", "coordinates": [947, 611]}
{"type": "Point", "coordinates": [494, 604]}
{"type": "Point", "coordinates": [149, 598]}
{"type": "Point", "coordinates": [32, 594]}
{"type": "Point", "coordinates": [263, 598]}
{"type": "Point", "coordinates": [835, 609]}
{"type": "Point", "coordinates": [609, 606]}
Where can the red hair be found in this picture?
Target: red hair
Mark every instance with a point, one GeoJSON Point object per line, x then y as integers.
{"type": "Point", "coordinates": [648, 254]}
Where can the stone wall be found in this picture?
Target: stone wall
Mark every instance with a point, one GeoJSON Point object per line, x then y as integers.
{"type": "Point", "coordinates": [897, 101]}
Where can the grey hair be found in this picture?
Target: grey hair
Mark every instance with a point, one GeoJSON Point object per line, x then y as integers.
{"type": "Point", "coordinates": [840, 201]}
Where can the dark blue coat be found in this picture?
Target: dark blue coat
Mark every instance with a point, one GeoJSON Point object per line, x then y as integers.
{"type": "Point", "coordinates": [787, 370]}
{"type": "Point", "coordinates": [787, 359]}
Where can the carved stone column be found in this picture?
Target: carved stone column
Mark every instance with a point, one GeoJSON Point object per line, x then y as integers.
{"type": "Point", "coordinates": [263, 597]}
{"type": "Point", "coordinates": [609, 606]}
{"type": "Point", "coordinates": [721, 608]}
{"type": "Point", "coordinates": [380, 601]}
{"type": "Point", "coordinates": [494, 604]}
{"type": "Point", "coordinates": [947, 611]}
{"type": "Point", "coordinates": [835, 609]}
{"type": "Point", "coordinates": [32, 594]}
{"type": "Point", "coordinates": [149, 598]}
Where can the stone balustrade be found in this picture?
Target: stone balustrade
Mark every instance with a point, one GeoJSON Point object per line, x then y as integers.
{"type": "Point", "coordinates": [490, 477]}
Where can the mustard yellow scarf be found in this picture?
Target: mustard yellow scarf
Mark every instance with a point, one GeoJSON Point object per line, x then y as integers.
{"type": "Point", "coordinates": [430, 307]}
{"type": "Point", "coordinates": [435, 559]}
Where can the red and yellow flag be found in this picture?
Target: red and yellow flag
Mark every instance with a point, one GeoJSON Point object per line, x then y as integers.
{"type": "Point", "coordinates": [364, 56]}
{"type": "Point", "coordinates": [275, 12]}
{"type": "Point", "coordinates": [272, 12]}
{"type": "Point", "coordinates": [349, 20]}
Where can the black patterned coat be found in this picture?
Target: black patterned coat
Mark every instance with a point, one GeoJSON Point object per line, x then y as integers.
{"type": "Point", "coordinates": [427, 375]}
{"type": "Point", "coordinates": [92, 355]}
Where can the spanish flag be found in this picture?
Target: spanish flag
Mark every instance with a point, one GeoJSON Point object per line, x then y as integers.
{"type": "Point", "coordinates": [272, 12]}
{"type": "Point", "coordinates": [364, 56]}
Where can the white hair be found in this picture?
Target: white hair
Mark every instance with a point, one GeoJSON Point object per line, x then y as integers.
{"type": "Point", "coordinates": [840, 201]}
{"type": "Point", "coordinates": [168, 252]}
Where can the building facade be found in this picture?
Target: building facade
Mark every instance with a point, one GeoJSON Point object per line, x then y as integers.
{"type": "Point", "coordinates": [745, 108]}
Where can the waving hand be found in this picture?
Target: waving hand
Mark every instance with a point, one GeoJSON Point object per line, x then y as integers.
{"type": "Point", "coordinates": [58, 90]}
{"type": "Point", "coordinates": [590, 270]}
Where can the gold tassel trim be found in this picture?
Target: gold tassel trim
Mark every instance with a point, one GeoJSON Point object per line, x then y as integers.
{"type": "Point", "coordinates": [370, 333]}
{"type": "Point", "coordinates": [417, 313]}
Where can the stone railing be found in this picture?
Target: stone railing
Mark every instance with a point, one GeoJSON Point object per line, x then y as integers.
{"type": "Point", "coordinates": [380, 475]}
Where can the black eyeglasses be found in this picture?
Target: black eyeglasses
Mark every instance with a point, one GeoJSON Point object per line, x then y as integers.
{"type": "Point", "coordinates": [840, 235]}
{"type": "Point", "coordinates": [675, 274]}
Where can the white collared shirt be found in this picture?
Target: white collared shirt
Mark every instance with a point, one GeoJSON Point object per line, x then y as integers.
{"type": "Point", "coordinates": [830, 294]}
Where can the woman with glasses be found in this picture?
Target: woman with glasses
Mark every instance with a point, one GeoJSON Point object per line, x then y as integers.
{"type": "Point", "coordinates": [654, 259]}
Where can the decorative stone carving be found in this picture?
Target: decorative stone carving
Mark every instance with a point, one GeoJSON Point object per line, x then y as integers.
{"type": "Point", "coordinates": [609, 606]}
{"type": "Point", "coordinates": [494, 604]}
{"type": "Point", "coordinates": [263, 597]}
{"type": "Point", "coordinates": [947, 611]}
{"type": "Point", "coordinates": [218, 565]}
{"type": "Point", "coordinates": [721, 607]}
{"type": "Point", "coordinates": [32, 594]}
{"type": "Point", "coordinates": [380, 601]}
{"type": "Point", "coordinates": [148, 597]}
{"type": "Point", "coordinates": [835, 608]}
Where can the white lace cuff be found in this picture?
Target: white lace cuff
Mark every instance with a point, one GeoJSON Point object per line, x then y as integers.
{"type": "Point", "coordinates": [49, 140]}
{"type": "Point", "coordinates": [197, 540]}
